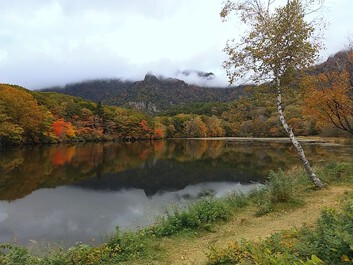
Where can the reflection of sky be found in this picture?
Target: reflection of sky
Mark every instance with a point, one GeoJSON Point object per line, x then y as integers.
{"type": "Point", "coordinates": [69, 214]}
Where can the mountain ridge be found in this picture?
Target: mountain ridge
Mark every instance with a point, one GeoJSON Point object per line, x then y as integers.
{"type": "Point", "coordinates": [155, 95]}
{"type": "Point", "coordinates": [152, 94]}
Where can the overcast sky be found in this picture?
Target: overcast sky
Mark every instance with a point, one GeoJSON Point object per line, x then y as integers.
{"type": "Point", "coordinates": [54, 42]}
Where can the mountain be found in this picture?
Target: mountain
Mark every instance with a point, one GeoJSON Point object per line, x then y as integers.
{"type": "Point", "coordinates": [342, 60]}
{"type": "Point", "coordinates": [94, 90]}
{"type": "Point", "coordinates": [152, 95]}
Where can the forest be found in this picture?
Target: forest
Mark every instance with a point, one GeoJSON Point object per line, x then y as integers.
{"type": "Point", "coordinates": [319, 102]}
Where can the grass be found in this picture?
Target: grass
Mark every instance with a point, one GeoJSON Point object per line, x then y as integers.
{"type": "Point", "coordinates": [330, 242]}
{"type": "Point", "coordinates": [281, 193]}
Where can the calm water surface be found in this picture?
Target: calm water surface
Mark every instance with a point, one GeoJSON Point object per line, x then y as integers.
{"type": "Point", "coordinates": [80, 193]}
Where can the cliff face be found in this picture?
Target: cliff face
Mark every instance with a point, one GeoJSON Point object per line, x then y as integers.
{"type": "Point", "coordinates": [152, 95]}
{"type": "Point", "coordinates": [342, 60]}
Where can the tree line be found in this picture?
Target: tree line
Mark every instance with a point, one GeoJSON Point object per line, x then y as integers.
{"type": "Point", "coordinates": [318, 102]}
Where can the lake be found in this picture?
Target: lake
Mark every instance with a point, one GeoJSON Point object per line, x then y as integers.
{"type": "Point", "coordinates": [81, 192]}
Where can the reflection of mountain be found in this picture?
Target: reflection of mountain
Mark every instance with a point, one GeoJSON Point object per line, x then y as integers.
{"type": "Point", "coordinates": [171, 175]}
{"type": "Point", "coordinates": [152, 166]}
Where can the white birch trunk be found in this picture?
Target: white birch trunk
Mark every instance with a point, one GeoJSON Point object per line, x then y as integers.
{"type": "Point", "coordinates": [294, 141]}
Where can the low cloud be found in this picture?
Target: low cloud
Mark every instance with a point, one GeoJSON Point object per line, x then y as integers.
{"type": "Point", "coordinates": [46, 42]}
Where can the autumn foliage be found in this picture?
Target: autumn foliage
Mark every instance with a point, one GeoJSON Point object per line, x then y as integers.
{"type": "Point", "coordinates": [37, 117]}
{"type": "Point", "coordinates": [62, 129]}
{"type": "Point", "coordinates": [329, 97]}
{"type": "Point", "coordinates": [322, 99]}
{"type": "Point", "coordinates": [21, 118]}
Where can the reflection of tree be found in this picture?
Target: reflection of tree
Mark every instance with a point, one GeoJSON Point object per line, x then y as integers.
{"type": "Point", "coordinates": [194, 150]}
{"type": "Point", "coordinates": [150, 165]}
{"type": "Point", "coordinates": [9, 163]}
{"type": "Point", "coordinates": [25, 177]}
{"type": "Point", "coordinates": [214, 149]}
{"type": "Point", "coordinates": [63, 155]}
{"type": "Point", "coordinates": [190, 150]}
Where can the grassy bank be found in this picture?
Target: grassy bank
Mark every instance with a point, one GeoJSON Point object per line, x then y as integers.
{"type": "Point", "coordinates": [210, 217]}
{"type": "Point", "coordinates": [328, 242]}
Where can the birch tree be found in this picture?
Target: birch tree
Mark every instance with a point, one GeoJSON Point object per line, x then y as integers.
{"type": "Point", "coordinates": [279, 41]}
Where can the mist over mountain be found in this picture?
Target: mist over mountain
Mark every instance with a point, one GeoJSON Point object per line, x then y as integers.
{"type": "Point", "coordinates": [158, 94]}
{"type": "Point", "coordinates": [153, 94]}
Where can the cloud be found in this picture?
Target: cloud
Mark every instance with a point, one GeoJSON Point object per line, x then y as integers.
{"type": "Point", "coordinates": [47, 42]}
{"type": "Point", "coordinates": [53, 42]}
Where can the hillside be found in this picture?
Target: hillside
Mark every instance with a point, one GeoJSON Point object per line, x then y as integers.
{"type": "Point", "coordinates": [157, 95]}
{"type": "Point", "coordinates": [320, 101]}
{"type": "Point", "coordinates": [152, 95]}
{"type": "Point", "coordinates": [93, 90]}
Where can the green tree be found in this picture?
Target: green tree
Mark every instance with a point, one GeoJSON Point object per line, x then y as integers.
{"type": "Point", "coordinates": [72, 109]}
{"type": "Point", "coordinates": [99, 109]}
{"type": "Point", "coordinates": [279, 42]}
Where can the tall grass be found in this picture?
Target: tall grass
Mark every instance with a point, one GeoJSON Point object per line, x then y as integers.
{"type": "Point", "coordinates": [200, 215]}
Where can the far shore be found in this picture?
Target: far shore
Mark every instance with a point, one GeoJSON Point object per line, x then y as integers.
{"type": "Point", "coordinates": [303, 139]}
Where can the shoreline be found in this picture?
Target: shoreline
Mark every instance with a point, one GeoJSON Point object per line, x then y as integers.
{"type": "Point", "coordinates": [302, 139]}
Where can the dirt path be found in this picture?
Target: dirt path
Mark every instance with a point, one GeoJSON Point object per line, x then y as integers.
{"type": "Point", "coordinates": [193, 250]}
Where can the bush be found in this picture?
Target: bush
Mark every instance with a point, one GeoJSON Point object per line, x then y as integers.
{"type": "Point", "coordinates": [334, 172]}
{"type": "Point", "coordinates": [237, 200]}
{"type": "Point", "coordinates": [332, 240]}
{"type": "Point", "coordinates": [250, 253]}
{"type": "Point", "coordinates": [279, 189]}
{"type": "Point", "coordinates": [15, 255]}
{"type": "Point", "coordinates": [198, 215]}
{"type": "Point", "coordinates": [123, 246]}
{"type": "Point", "coordinates": [262, 200]}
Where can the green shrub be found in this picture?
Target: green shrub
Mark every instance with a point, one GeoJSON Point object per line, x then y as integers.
{"type": "Point", "coordinates": [196, 216]}
{"type": "Point", "coordinates": [15, 255]}
{"type": "Point", "coordinates": [81, 254]}
{"type": "Point", "coordinates": [237, 200]}
{"type": "Point", "coordinates": [333, 238]}
{"type": "Point", "coordinates": [250, 253]}
{"type": "Point", "coordinates": [261, 198]}
{"type": "Point", "coordinates": [280, 186]}
{"type": "Point", "coordinates": [334, 172]}
{"type": "Point", "coordinates": [129, 245]}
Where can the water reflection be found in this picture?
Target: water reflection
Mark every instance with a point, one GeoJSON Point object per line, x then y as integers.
{"type": "Point", "coordinates": [81, 192]}
{"type": "Point", "coordinates": [151, 166]}
{"type": "Point", "coordinates": [70, 214]}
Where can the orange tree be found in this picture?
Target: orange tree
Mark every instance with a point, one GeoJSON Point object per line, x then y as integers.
{"type": "Point", "coordinates": [329, 96]}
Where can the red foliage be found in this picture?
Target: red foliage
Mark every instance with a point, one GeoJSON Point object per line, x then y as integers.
{"type": "Point", "coordinates": [145, 126]}
{"type": "Point", "coordinates": [158, 134]}
{"type": "Point", "coordinates": [62, 128]}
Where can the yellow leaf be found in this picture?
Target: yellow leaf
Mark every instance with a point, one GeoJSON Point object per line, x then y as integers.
{"type": "Point", "coordinates": [345, 258]}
